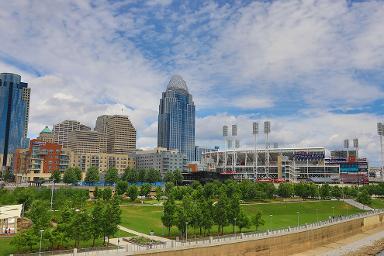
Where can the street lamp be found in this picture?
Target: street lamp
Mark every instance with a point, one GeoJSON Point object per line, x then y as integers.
{"type": "Point", "coordinates": [317, 215]}
{"type": "Point", "coordinates": [186, 231]}
{"type": "Point", "coordinates": [41, 238]}
{"type": "Point", "coordinates": [271, 220]}
{"type": "Point", "coordinates": [52, 188]}
{"type": "Point", "coordinates": [298, 218]}
{"type": "Point", "coordinates": [333, 211]}
{"type": "Point", "coordinates": [235, 225]}
{"type": "Point", "coordinates": [380, 132]}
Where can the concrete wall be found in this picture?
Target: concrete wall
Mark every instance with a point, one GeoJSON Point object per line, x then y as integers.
{"type": "Point", "coordinates": [282, 245]}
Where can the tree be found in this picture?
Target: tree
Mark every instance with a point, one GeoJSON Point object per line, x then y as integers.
{"type": "Point", "coordinates": [243, 221]}
{"type": "Point", "coordinates": [177, 177]}
{"type": "Point", "coordinates": [325, 191]}
{"type": "Point", "coordinates": [112, 175]}
{"type": "Point", "coordinates": [257, 220]}
{"type": "Point", "coordinates": [233, 210]}
{"type": "Point", "coordinates": [152, 175]}
{"type": "Point", "coordinates": [97, 220]}
{"type": "Point", "coordinates": [121, 187]}
{"type": "Point", "coordinates": [145, 189]}
{"type": "Point", "coordinates": [27, 238]}
{"type": "Point", "coordinates": [107, 194]}
{"type": "Point", "coordinates": [130, 175]}
{"type": "Point", "coordinates": [72, 175]}
{"type": "Point", "coordinates": [111, 218]}
{"type": "Point", "coordinates": [40, 215]}
{"type": "Point", "coordinates": [159, 193]}
{"type": "Point", "coordinates": [56, 176]}
{"type": "Point", "coordinates": [132, 192]}
{"type": "Point", "coordinates": [364, 198]}
{"type": "Point", "coordinates": [207, 214]}
{"type": "Point", "coordinates": [168, 217]}
{"type": "Point", "coordinates": [286, 190]}
{"type": "Point", "coordinates": [80, 227]}
{"type": "Point", "coordinates": [92, 175]}
{"type": "Point", "coordinates": [168, 187]}
{"type": "Point", "coordinates": [336, 192]}
{"type": "Point", "coordinates": [220, 212]}
{"type": "Point", "coordinates": [141, 174]}
{"type": "Point", "coordinates": [168, 177]}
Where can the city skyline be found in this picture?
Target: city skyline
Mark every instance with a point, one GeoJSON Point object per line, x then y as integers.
{"type": "Point", "coordinates": [288, 62]}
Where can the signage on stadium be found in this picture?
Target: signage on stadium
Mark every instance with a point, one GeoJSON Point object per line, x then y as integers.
{"type": "Point", "coordinates": [308, 155]}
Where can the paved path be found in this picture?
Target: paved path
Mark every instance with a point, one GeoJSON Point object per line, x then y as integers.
{"type": "Point", "coordinates": [357, 205]}
{"type": "Point", "coordinates": [156, 238]}
{"type": "Point", "coordinates": [348, 245]}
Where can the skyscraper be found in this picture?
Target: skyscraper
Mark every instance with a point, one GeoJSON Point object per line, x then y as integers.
{"type": "Point", "coordinates": [120, 132]}
{"type": "Point", "coordinates": [176, 122]}
{"type": "Point", "coordinates": [14, 114]}
{"type": "Point", "coordinates": [61, 131]}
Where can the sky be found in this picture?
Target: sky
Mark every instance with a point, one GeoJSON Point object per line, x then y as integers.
{"type": "Point", "coordinates": [313, 68]}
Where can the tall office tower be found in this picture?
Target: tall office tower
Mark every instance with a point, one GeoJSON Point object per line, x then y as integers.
{"type": "Point", "coordinates": [176, 122]}
{"type": "Point", "coordinates": [61, 130]}
{"type": "Point", "coordinates": [87, 142]}
{"type": "Point", "coordinates": [121, 134]}
{"type": "Point", "coordinates": [14, 114]}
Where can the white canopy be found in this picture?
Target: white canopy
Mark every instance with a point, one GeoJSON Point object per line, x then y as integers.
{"type": "Point", "coordinates": [10, 211]}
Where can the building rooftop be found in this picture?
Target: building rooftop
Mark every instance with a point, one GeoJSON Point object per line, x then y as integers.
{"type": "Point", "coordinates": [177, 83]}
{"type": "Point", "coordinates": [46, 130]}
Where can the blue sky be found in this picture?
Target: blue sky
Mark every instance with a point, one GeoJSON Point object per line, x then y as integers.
{"type": "Point", "coordinates": [314, 68]}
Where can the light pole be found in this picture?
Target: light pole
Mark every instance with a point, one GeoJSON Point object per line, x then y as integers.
{"type": "Point", "coordinates": [271, 220]}
{"type": "Point", "coordinates": [333, 211]}
{"type": "Point", "coordinates": [317, 215]}
{"type": "Point", "coordinates": [235, 226]}
{"type": "Point", "coordinates": [186, 231]}
{"type": "Point", "coordinates": [52, 188]}
{"type": "Point", "coordinates": [380, 132]}
{"type": "Point", "coordinates": [298, 219]}
{"type": "Point", "coordinates": [41, 238]}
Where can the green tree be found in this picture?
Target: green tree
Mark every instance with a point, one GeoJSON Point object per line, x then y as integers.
{"type": "Point", "coordinates": [243, 221]}
{"type": "Point", "coordinates": [168, 217]}
{"type": "Point", "coordinates": [141, 174]}
{"type": "Point", "coordinates": [286, 190]}
{"type": "Point", "coordinates": [132, 192]}
{"type": "Point", "coordinates": [56, 176]}
{"type": "Point", "coordinates": [111, 218]}
{"type": "Point", "coordinates": [168, 187]}
{"type": "Point", "coordinates": [336, 192]}
{"type": "Point", "coordinates": [121, 187]}
{"type": "Point", "coordinates": [107, 194]}
{"type": "Point", "coordinates": [80, 227]}
{"type": "Point", "coordinates": [325, 191]}
{"type": "Point", "coordinates": [112, 175]}
{"type": "Point", "coordinates": [27, 238]}
{"type": "Point", "coordinates": [233, 210]}
{"type": "Point", "coordinates": [72, 175]}
{"type": "Point", "coordinates": [363, 197]}
{"type": "Point", "coordinates": [257, 220]}
{"type": "Point", "coordinates": [130, 175]}
{"type": "Point", "coordinates": [159, 193]}
{"type": "Point", "coordinates": [152, 175]}
{"type": "Point", "coordinates": [40, 215]}
{"type": "Point", "coordinates": [220, 213]}
{"type": "Point", "coordinates": [96, 227]}
{"type": "Point", "coordinates": [92, 175]}
{"type": "Point", "coordinates": [145, 189]}
{"type": "Point", "coordinates": [207, 212]}
{"type": "Point", "coordinates": [168, 177]}
{"type": "Point", "coordinates": [177, 177]}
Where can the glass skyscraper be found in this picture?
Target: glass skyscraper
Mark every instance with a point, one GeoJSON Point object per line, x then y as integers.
{"type": "Point", "coordinates": [176, 123]}
{"type": "Point", "coordinates": [14, 114]}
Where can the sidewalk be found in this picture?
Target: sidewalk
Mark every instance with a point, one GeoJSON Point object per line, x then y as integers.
{"type": "Point", "coordinates": [155, 238]}
{"type": "Point", "coordinates": [357, 205]}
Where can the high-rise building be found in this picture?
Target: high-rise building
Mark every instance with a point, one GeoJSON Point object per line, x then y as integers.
{"type": "Point", "coordinates": [46, 135]}
{"type": "Point", "coordinates": [160, 159]}
{"type": "Point", "coordinates": [61, 131]}
{"type": "Point", "coordinates": [87, 142]}
{"type": "Point", "coordinates": [14, 114]}
{"type": "Point", "coordinates": [176, 122]}
{"type": "Point", "coordinates": [121, 134]}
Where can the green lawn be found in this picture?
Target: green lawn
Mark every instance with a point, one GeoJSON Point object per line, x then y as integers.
{"type": "Point", "coordinates": [5, 247]}
{"type": "Point", "coordinates": [377, 203]}
{"type": "Point", "coordinates": [146, 218]}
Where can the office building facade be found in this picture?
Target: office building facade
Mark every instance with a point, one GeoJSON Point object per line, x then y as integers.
{"type": "Point", "coordinates": [161, 159]}
{"type": "Point", "coordinates": [14, 114]}
{"type": "Point", "coordinates": [61, 131]}
{"type": "Point", "coordinates": [176, 120]}
{"type": "Point", "coordinates": [119, 131]}
{"type": "Point", "coordinates": [82, 142]}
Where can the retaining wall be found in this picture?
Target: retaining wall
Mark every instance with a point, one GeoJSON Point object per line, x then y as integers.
{"type": "Point", "coordinates": [283, 244]}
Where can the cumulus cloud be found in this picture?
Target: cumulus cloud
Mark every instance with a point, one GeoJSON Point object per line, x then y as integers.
{"type": "Point", "coordinates": [253, 59]}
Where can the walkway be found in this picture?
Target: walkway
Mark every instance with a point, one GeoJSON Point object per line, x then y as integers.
{"type": "Point", "coordinates": [155, 238]}
{"type": "Point", "coordinates": [357, 205]}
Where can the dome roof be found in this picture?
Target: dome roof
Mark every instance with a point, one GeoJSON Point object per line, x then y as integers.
{"type": "Point", "coordinates": [177, 83]}
{"type": "Point", "coordinates": [46, 130]}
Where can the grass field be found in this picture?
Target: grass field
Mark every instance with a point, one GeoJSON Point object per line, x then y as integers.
{"type": "Point", "coordinates": [377, 203]}
{"type": "Point", "coordinates": [5, 247]}
{"type": "Point", "coordinates": [146, 218]}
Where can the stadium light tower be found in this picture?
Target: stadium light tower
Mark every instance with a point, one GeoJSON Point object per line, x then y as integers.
{"type": "Point", "coordinates": [255, 132]}
{"type": "Point", "coordinates": [346, 146]}
{"type": "Point", "coordinates": [380, 132]}
{"type": "Point", "coordinates": [267, 130]}
{"type": "Point", "coordinates": [225, 135]}
{"type": "Point", "coordinates": [356, 147]}
{"type": "Point", "coordinates": [235, 142]}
